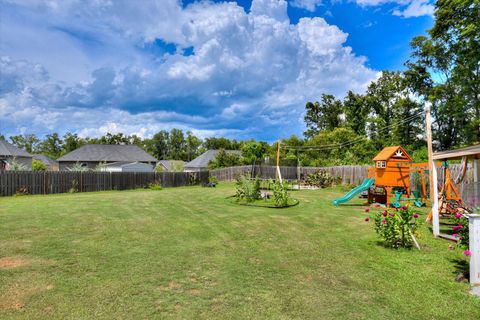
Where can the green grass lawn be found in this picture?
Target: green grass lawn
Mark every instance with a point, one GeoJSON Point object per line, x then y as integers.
{"type": "Point", "coordinates": [189, 253]}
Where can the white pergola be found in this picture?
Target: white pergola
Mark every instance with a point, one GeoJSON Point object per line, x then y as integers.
{"type": "Point", "coordinates": [472, 153]}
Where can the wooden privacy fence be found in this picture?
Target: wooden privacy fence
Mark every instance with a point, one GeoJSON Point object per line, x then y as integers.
{"type": "Point", "coordinates": [347, 174]}
{"type": "Point", "coordinates": [48, 182]}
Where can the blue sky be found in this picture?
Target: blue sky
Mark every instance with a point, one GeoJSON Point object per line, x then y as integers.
{"type": "Point", "coordinates": [241, 69]}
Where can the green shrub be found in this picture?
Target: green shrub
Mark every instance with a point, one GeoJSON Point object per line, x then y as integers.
{"type": "Point", "coordinates": [247, 189]}
{"type": "Point", "coordinates": [101, 166]}
{"type": "Point", "coordinates": [17, 166]}
{"type": "Point", "coordinates": [213, 179]}
{"type": "Point", "coordinates": [281, 196]}
{"type": "Point", "coordinates": [154, 185]}
{"type": "Point", "coordinates": [397, 226]}
{"type": "Point", "coordinates": [38, 165]}
{"type": "Point", "coordinates": [74, 187]}
{"type": "Point", "coordinates": [320, 178]}
{"type": "Point", "coordinates": [77, 167]}
{"type": "Point", "coordinates": [224, 159]}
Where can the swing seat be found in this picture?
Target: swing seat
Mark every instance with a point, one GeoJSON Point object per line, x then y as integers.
{"type": "Point", "coordinates": [416, 200]}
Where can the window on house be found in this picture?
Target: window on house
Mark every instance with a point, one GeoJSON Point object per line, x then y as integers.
{"type": "Point", "coordinates": [381, 164]}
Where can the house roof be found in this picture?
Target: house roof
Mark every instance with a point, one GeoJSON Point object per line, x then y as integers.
{"type": "Point", "coordinates": [123, 164]}
{"type": "Point", "coordinates": [389, 152]}
{"type": "Point", "coordinates": [9, 150]}
{"type": "Point", "coordinates": [45, 159]}
{"type": "Point", "coordinates": [108, 152]}
{"type": "Point", "coordinates": [471, 152]}
{"type": "Point", "coordinates": [203, 160]}
{"type": "Point", "coordinates": [168, 164]}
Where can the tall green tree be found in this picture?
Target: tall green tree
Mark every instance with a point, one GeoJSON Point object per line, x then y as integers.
{"type": "Point", "coordinates": [323, 115]}
{"type": "Point", "coordinates": [392, 118]}
{"type": "Point", "coordinates": [193, 144]}
{"type": "Point", "coordinates": [445, 69]}
{"type": "Point", "coordinates": [224, 159]}
{"type": "Point", "coordinates": [51, 146]}
{"type": "Point", "coordinates": [356, 112]}
{"type": "Point", "coordinates": [330, 148]}
{"type": "Point", "coordinates": [114, 138]}
{"type": "Point", "coordinates": [71, 141]}
{"type": "Point", "coordinates": [221, 143]}
{"type": "Point", "coordinates": [160, 145]}
{"type": "Point", "coordinates": [27, 142]}
{"type": "Point", "coordinates": [176, 145]}
{"type": "Point", "coordinates": [254, 152]}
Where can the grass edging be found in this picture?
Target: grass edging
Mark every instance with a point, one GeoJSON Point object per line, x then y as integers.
{"type": "Point", "coordinates": [296, 202]}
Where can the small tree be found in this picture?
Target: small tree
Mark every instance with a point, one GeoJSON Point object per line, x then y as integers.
{"type": "Point", "coordinates": [281, 196]}
{"type": "Point", "coordinates": [224, 159]}
{"type": "Point", "coordinates": [247, 189]}
{"type": "Point", "coordinates": [38, 165]}
{"type": "Point", "coordinates": [17, 166]}
{"type": "Point", "coordinates": [100, 167]}
{"type": "Point", "coordinates": [77, 167]}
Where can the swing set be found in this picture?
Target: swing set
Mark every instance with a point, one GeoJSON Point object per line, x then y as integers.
{"type": "Point", "coordinates": [448, 200]}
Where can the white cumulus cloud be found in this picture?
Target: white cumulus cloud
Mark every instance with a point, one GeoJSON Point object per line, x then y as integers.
{"type": "Point", "coordinates": [309, 5]}
{"type": "Point", "coordinates": [124, 67]}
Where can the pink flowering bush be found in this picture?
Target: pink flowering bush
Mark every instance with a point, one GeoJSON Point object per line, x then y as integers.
{"type": "Point", "coordinates": [396, 226]}
{"type": "Point", "coordinates": [460, 230]}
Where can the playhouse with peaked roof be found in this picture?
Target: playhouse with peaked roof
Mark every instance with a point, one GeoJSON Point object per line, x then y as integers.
{"type": "Point", "coordinates": [391, 174]}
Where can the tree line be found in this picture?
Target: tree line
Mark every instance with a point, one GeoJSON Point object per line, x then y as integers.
{"type": "Point", "coordinates": [172, 145]}
{"type": "Point", "coordinates": [443, 69]}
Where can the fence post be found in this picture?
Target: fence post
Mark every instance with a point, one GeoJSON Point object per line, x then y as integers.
{"type": "Point", "coordinates": [474, 247]}
{"type": "Point", "coordinates": [44, 182]}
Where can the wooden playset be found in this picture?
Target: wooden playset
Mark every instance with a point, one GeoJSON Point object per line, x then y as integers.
{"type": "Point", "coordinates": [392, 175]}
{"type": "Point", "coordinates": [389, 181]}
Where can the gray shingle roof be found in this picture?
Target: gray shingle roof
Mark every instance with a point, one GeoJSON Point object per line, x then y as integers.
{"type": "Point", "coordinates": [168, 164]}
{"type": "Point", "coordinates": [203, 160]}
{"type": "Point", "coordinates": [9, 150]}
{"type": "Point", "coordinates": [45, 159]}
{"type": "Point", "coordinates": [122, 164]}
{"type": "Point", "coordinates": [108, 152]}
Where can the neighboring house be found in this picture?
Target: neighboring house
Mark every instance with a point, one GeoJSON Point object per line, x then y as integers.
{"type": "Point", "coordinates": [170, 166]}
{"type": "Point", "coordinates": [92, 155]}
{"type": "Point", "coordinates": [9, 153]}
{"type": "Point", "coordinates": [51, 164]}
{"type": "Point", "coordinates": [201, 162]}
{"type": "Point", "coordinates": [127, 167]}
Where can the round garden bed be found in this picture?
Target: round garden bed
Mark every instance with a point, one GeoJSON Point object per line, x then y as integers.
{"type": "Point", "coordinates": [265, 203]}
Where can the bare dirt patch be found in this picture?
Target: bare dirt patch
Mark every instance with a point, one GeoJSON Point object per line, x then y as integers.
{"type": "Point", "coordinates": [195, 292]}
{"type": "Point", "coordinates": [12, 262]}
{"type": "Point", "coordinates": [174, 285]}
{"type": "Point", "coordinates": [15, 297]}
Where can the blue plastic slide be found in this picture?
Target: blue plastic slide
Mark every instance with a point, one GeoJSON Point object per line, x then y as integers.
{"type": "Point", "coordinates": [367, 183]}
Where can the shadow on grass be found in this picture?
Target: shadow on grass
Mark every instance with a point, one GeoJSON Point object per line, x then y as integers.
{"type": "Point", "coordinates": [352, 205]}
{"type": "Point", "coordinates": [462, 268]}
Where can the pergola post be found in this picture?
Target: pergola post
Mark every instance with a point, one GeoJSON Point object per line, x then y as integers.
{"type": "Point", "coordinates": [474, 247]}
{"type": "Point", "coordinates": [476, 179]}
{"type": "Point", "coordinates": [435, 214]}
{"type": "Point", "coordinates": [432, 172]}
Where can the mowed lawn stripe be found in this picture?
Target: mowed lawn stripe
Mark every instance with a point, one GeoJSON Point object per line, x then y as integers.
{"type": "Point", "coordinates": [191, 253]}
